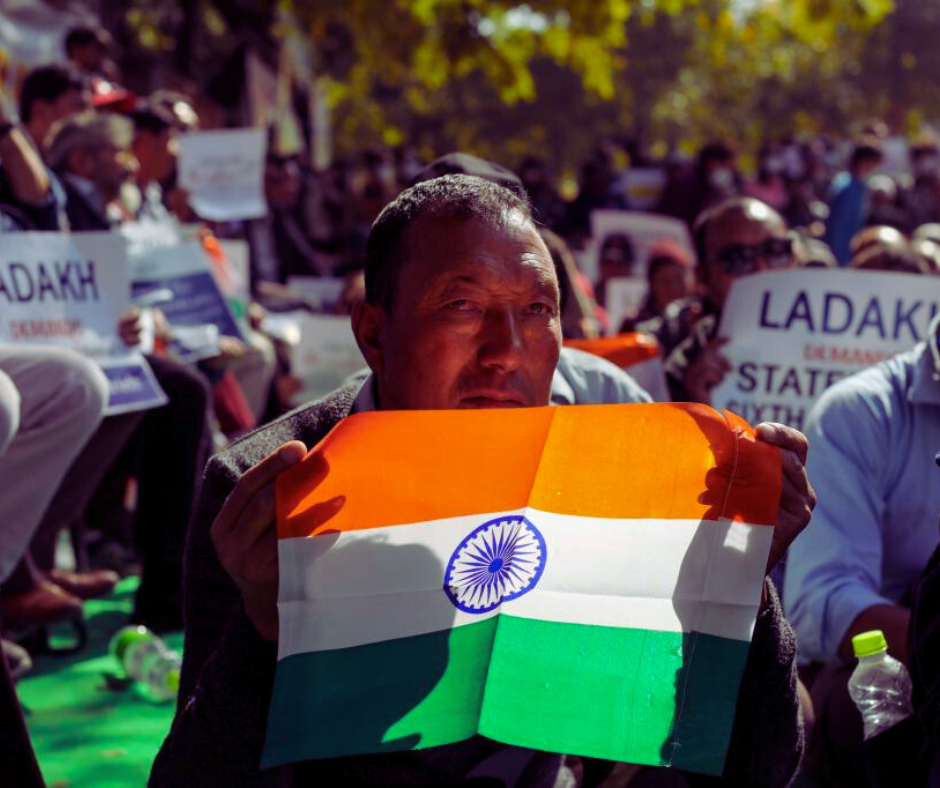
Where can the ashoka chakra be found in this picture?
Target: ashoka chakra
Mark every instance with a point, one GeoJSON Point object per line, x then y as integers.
{"type": "Point", "coordinates": [498, 561]}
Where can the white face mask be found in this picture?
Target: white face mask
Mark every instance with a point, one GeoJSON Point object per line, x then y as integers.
{"type": "Point", "coordinates": [722, 178]}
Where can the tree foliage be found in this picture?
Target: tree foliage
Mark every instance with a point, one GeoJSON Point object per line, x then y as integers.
{"type": "Point", "coordinates": [555, 76]}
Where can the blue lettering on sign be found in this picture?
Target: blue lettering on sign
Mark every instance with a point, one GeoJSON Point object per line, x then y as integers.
{"type": "Point", "coordinates": [764, 320]}
{"type": "Point", "coordinates": [801, 311]}
{"type": "Point", "coordinates": [895, 319]}
{"type": "Point", "coordinates": [828, 324]}
{"type": "Point", "coordinates": [129, 386]}
{"type": "Point", "coordinates": [872, 317]}
{"type": "Point", "coordinates": [196, 301]}
{"type": "Point", "coordinates": [58, 281]}
{"type": "Point", "coordinates": [905, 317]}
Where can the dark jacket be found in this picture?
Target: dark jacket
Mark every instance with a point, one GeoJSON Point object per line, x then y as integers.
{"type": "Point", "coordinates": [228, 671]}
{"type": "Point", "coordinates": [81, 214]}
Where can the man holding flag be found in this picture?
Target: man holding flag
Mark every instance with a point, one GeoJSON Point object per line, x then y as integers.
{"type": "Point", "coordinates": [461, 311]}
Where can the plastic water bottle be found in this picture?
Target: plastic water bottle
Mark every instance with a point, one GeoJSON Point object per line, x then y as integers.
{"type": "Point", "coordinates": [147, 660]}
{"type": "Point", "coordinates": [880, 685]}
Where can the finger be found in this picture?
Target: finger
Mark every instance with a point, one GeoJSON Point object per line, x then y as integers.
{"type": "Point", "coordinates": [797, 501]}
{"type": "Point", "coordinates": [784, 437]}
{"type": "Point", "coordinates": [718, 342]}
{"type": "Point", "coordinates": [793, 468]}
{"type": "Point", "coordinates": [256, 478]}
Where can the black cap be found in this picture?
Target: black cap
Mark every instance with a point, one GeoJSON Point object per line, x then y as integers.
{"type": "Point", "coordinates": [467, 164]}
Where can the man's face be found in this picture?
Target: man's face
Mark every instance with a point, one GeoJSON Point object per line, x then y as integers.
{"type": "Point", "coordinates": [474, 323]}
{"type": "Point", "coordinates": [70, 102]}
{"type": "Point", "coordinates": [156, 154]}
{"type": "Point", "coordinates": [113, 166]}
{"type": "Point", "coordinates": [741, 243]}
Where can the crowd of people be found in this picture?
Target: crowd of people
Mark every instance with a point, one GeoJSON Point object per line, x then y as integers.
{"type": "Point", "coordinates": [495, 247]}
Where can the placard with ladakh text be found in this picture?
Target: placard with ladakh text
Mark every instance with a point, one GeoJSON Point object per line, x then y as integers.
{"type": "Point", "coordinates": [794, 333]}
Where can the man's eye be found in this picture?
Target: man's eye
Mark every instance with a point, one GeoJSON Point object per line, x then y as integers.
{"type": "Point", "coordinates": [460, 304]}
{"type": "Point", "coordinates": [539, 308]}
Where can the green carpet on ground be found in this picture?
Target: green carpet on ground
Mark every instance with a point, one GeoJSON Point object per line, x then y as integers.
{"type": "Point", "coordinates": [85, 734]}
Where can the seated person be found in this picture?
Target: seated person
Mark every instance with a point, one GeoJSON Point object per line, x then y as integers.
{"type": "Point", "coordinates": [461, 311]}
{"type": "Point", "coordinates": [51, 401]}
{"type": "Point", "coordinates": [735, 238]}
{"type": "Point", "coordinates": [874, 436]}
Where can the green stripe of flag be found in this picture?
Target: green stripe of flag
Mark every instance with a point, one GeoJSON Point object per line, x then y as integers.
{"type": "Point", "coordinates": [582, 689]}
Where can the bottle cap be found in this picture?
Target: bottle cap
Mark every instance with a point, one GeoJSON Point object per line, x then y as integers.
{"type": "Point", "coordinates": [868, 643]}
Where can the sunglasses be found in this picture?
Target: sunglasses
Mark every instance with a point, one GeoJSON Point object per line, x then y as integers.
{"type": "Point", "coordinates": [741, 260]}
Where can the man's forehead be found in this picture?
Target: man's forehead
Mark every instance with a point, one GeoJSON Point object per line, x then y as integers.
{"type": "Point", "coordinates": [745, 226]}
{"type": "Point", "coordinates": [466, 249]}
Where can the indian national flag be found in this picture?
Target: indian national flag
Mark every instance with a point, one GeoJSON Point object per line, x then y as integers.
{"type": "Point", "coordinates": [581, 580]}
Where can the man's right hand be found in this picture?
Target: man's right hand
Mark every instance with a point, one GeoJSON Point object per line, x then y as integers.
{"type": "Point", "coordinates": [245, 537]}
{"type": "Point", "coordinates": [707, 371]}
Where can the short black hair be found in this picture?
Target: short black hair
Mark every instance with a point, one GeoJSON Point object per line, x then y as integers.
{"type": "Point", "coordinates": [152, 117]}
{"type": "Point", "coordinates": [448, 197]}
{"type": "Point", "coordinates": [866, 151]}
{"type": "Point", "coordinates": [47, 83]}
{"type": "Point", "coordinates": [84, 35]}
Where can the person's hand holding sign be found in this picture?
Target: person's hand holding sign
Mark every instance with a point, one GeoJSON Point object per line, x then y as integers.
{"type": "Point", "coordinates": [707, 371]}
{"type": "Point", "coordinates": [245, 537]}
{"type": "Point", "coordinates": [797, 497]}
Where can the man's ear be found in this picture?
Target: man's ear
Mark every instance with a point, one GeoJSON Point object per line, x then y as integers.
{"type": "Point", "coordinates": [367, 322]}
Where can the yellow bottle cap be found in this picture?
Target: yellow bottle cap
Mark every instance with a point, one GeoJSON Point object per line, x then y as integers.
{"type": "Point", "coordinates": [868, 643]}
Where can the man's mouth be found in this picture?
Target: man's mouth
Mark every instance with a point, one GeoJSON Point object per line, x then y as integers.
{"type": "Point", "coordinates": [491, 399]}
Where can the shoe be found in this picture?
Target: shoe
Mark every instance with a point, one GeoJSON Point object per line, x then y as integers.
{"type": "Point", "coordinates": [40, 605]}
{"type": "Point", "coordinates": [18, 660]}
{"type": "Point", "coordinates": [85, 585]}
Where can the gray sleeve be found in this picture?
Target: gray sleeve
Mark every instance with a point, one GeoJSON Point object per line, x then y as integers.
{"type": "Point", "coordinates": [584, 379]}
{"type": "Point", "coordinates": [218, 731]}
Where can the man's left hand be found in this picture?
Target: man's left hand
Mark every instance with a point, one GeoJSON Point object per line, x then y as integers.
{"type": "Point", "coordinates": [797, 497]}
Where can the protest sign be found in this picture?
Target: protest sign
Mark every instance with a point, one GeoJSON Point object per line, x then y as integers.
{"type": "Point", "coordinates": [70, 290]}
{"type": "Point", "coordinates": [623, 296]}
{"type": "Point", "coordinates": [223, 171]}
{"type": "Point", "coordinates": [643, 186]}
{"type": "Point", "coordinates": [643, 230]}
{"type": "Point", "coordinates": [323, 350]}
{"type": "Point", "coordinates": [794, 333]}
{"type": "Point", "coordinates": [194, 305]}
{"type": "Point", "coordinates": [322, 291]}
{"type": "Point", "coordinates": [638, 355]}
{"type": "Point", "coordinates": [454, 573]}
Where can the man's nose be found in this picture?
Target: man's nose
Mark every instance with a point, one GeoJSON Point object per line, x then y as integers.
{"type": "Point", "coordinates": [501, 345]}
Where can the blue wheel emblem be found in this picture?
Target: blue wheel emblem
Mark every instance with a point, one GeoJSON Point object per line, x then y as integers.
{"type": "Point", "coordinates": [498, 561]}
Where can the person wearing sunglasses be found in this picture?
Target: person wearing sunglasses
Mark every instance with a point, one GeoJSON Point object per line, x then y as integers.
{"type": "Point", "coordinates": [737, 237]}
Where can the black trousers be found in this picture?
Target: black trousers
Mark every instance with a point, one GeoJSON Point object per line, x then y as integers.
{"type": "Point", "coordinates": [18, 764]}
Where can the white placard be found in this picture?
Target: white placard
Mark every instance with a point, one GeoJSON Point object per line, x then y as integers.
{"type": "Point", "coordinates": [622, 297]}
{"type": "Point", "coordinates": [794, 333]}
{"type": "Point", "coordinates": [178, 277]}
{"type": "Point", "coordinates": [70, 289]}
{"type": "Point", "coordinates": [323, 291]}
{"type": "Point", "coordinates": [643, 229]}
{"type": "Point", "coordinates": [323, 350]}
{"type": "Point", "coordinates": [223, 171]}
{"type": "Point", "coordinates": [644, 186]}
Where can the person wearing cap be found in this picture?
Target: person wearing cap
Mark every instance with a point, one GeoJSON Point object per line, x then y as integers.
{"type": "Point", "coordinates": [873, 436]}
{"type": "Point", "coordinates": [735, 238]}
{"type": "Point", "coordinates": [461, 311]}
{"type": "Point", "coordinates": [91, 152]}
